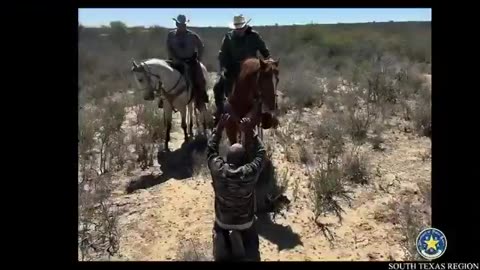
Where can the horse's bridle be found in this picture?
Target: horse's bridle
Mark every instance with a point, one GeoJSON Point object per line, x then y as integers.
{"type": "Point", "coordinates": [260, 91]}
{"type": "Point", "coordinates": [146, 71]}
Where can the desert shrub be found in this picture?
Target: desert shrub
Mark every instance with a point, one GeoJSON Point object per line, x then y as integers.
{"type": "Point", "coordinates": [328, 191]}
{"type": "Point", "coordinates": [335, 148]}
{"type": "Point", "coordinates": [111, 118]}
{"type": "Point", "coordinates": [296, 189]}
{"type": "Point", "coordinates": [117, 151]}
{"type": "Point", "coordinates": [377, 138]}
{"type": "Point", "coordinates": [406, 110]}
{"type": "Point", "coordinates": [358, 117]}
{"type": "Point", "coordinates": [355, 168]}
{"type": "Point", "coordinates": [411, 222]}
{"type": "Point", "coordinates": [426, 192]}
{"type": "Point", "coordinates": [305, 154]}
{"type": "Point", "coordinates": [327, 180]}
{"type": "Point", "coordinates": [119, 33]}
{"type": "Point", "coordinates": [302, 87]}
{"type": "Point", "coordinates": [98, 235]}
{"type": "Point", "coordinates": [422, 114]}
{"type": "Point", "coordinates": [193, 250]}
{"type": "Point", "coordinates": [329, 128]}
{"type": "Point", "coordinates": [284, 137]}
{"type": "Point", "coordinates": [151, 134]}
{"type": "Point", "coordinates": [87, 127]}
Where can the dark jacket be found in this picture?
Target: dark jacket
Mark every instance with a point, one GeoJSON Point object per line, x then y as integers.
{"type": "Point", "coordinates": [235, 49]}
{"type": "Point", "coordinates": [184, 45]}
{"type": "Point", "coordinates": [234, 187]}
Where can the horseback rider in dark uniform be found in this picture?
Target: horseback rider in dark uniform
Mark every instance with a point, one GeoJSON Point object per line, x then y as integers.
{"type": "Point", "coordinates": [234, 180]}
{"type": "Point", "coordinates": [237, 45]}
{"type": "Point", "coordinates": [185, 51]}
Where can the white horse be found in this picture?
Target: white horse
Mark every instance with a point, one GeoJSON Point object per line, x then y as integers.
{"type": "Point", "coordinates": [156, 75]}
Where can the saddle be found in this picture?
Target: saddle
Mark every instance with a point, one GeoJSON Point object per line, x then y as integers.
{"type": "Point", "coordinates": [180, 67]}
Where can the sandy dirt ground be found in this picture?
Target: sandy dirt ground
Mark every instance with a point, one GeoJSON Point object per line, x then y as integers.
{"type": "Point", "coordinates": [166, 210]}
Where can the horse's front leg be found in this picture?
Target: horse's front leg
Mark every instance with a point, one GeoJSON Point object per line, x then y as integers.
{"type": "Point", "coordinates": [183, 113]}
{"type": "Point", "coordinates": [167, 120]}
{"type": "Point", "coordinates": [190, 121]}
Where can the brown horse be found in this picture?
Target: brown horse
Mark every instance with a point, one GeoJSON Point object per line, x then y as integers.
{"type": "Point", "coordinates": [254, 97]}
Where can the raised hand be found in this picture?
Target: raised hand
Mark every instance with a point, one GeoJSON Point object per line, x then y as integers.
{"type": "Point", "coordinates": [245, 124]}
{"type": "Point", "coordinates": [222, 121]}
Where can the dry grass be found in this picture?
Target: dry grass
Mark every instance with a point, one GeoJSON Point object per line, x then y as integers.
{"type": "Point", "coordinates": [359, 115]}
{"type": "Point", "coordinates": [377, 142]}
{"type": "Point", "coordinates": [422, 115]}
{"type": "Point", "coordinates": [193, 251]}
{"type": "Point", "coordinates": [355, 168]}
{"type": "Point", "coordinates": [303, 88]}
{"type": "Point", "coordinates": [410, 218]}
{"type": "Point", "coordinates": [329, 191]}
{"type": "Point", "coordinates": [296, 188]}
{"type": "Point", "coordinates": [150, 134]}
{"type": "Point", "coordinates": [98, 221]}
{"type": "Point", "coordinates": [411, 224]}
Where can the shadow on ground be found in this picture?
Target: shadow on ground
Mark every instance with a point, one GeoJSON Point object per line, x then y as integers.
{"type": "Point", "coordinates": [282, 236]}
{"type": "Point", "coordinates": [177, 165]}
{"type": "Point", "coordinates": [267, 188]}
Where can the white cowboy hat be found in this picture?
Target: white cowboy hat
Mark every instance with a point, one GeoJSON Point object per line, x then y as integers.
{"type": "Point", "coordinates": [238, 22]}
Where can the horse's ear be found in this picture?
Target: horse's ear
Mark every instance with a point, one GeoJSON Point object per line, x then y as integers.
{"type": "Point", "coordinates": [135, 65]}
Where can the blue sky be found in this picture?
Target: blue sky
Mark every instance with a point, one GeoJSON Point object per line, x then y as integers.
{"type": "Point", "coordinates": [267, 16]}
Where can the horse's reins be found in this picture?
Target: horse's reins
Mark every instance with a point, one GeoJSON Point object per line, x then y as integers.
{"type": "Point", "coordinates": [147, 72]}
{"type": "Point", "coordinates": [257, 102]}
{"type": "Point", "coordinates": [167, 94]}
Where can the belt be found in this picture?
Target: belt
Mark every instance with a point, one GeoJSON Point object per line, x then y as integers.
{"type": "Point", "coordinates": [243, 226]}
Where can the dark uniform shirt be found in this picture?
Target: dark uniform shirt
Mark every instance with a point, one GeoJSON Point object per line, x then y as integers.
{"type": "Point", "coordinates": [182, 45]}
{"type": "Point", "coordinates": [234, 187]}
{"type": "Point", "coordinates": [236, 48]}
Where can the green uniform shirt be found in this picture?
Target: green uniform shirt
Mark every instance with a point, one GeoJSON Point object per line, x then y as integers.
{"type": "Point", "coordinates": [235, 49]}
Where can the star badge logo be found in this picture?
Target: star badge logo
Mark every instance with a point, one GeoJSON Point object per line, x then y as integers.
{"type": "Point", "coordinates": [431, 243]}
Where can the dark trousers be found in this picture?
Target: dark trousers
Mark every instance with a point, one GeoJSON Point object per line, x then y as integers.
{"type": "Point", "coordinates": [222, 245]}
{"type": "Point", "coordinates": [193, 72]}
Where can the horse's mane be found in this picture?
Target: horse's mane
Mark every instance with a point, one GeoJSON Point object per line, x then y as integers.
{"type": "Point", "coordinates": [158, 62]}
{"type": "Point", "coordinates": [248, 67]}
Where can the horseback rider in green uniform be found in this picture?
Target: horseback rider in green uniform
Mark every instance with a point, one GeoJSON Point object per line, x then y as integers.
{"type": "Point", "coordinates": [239, 44]}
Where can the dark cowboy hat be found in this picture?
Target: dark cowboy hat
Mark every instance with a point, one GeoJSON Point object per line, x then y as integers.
{"type": "Point", "coordinates": [181, 19]}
